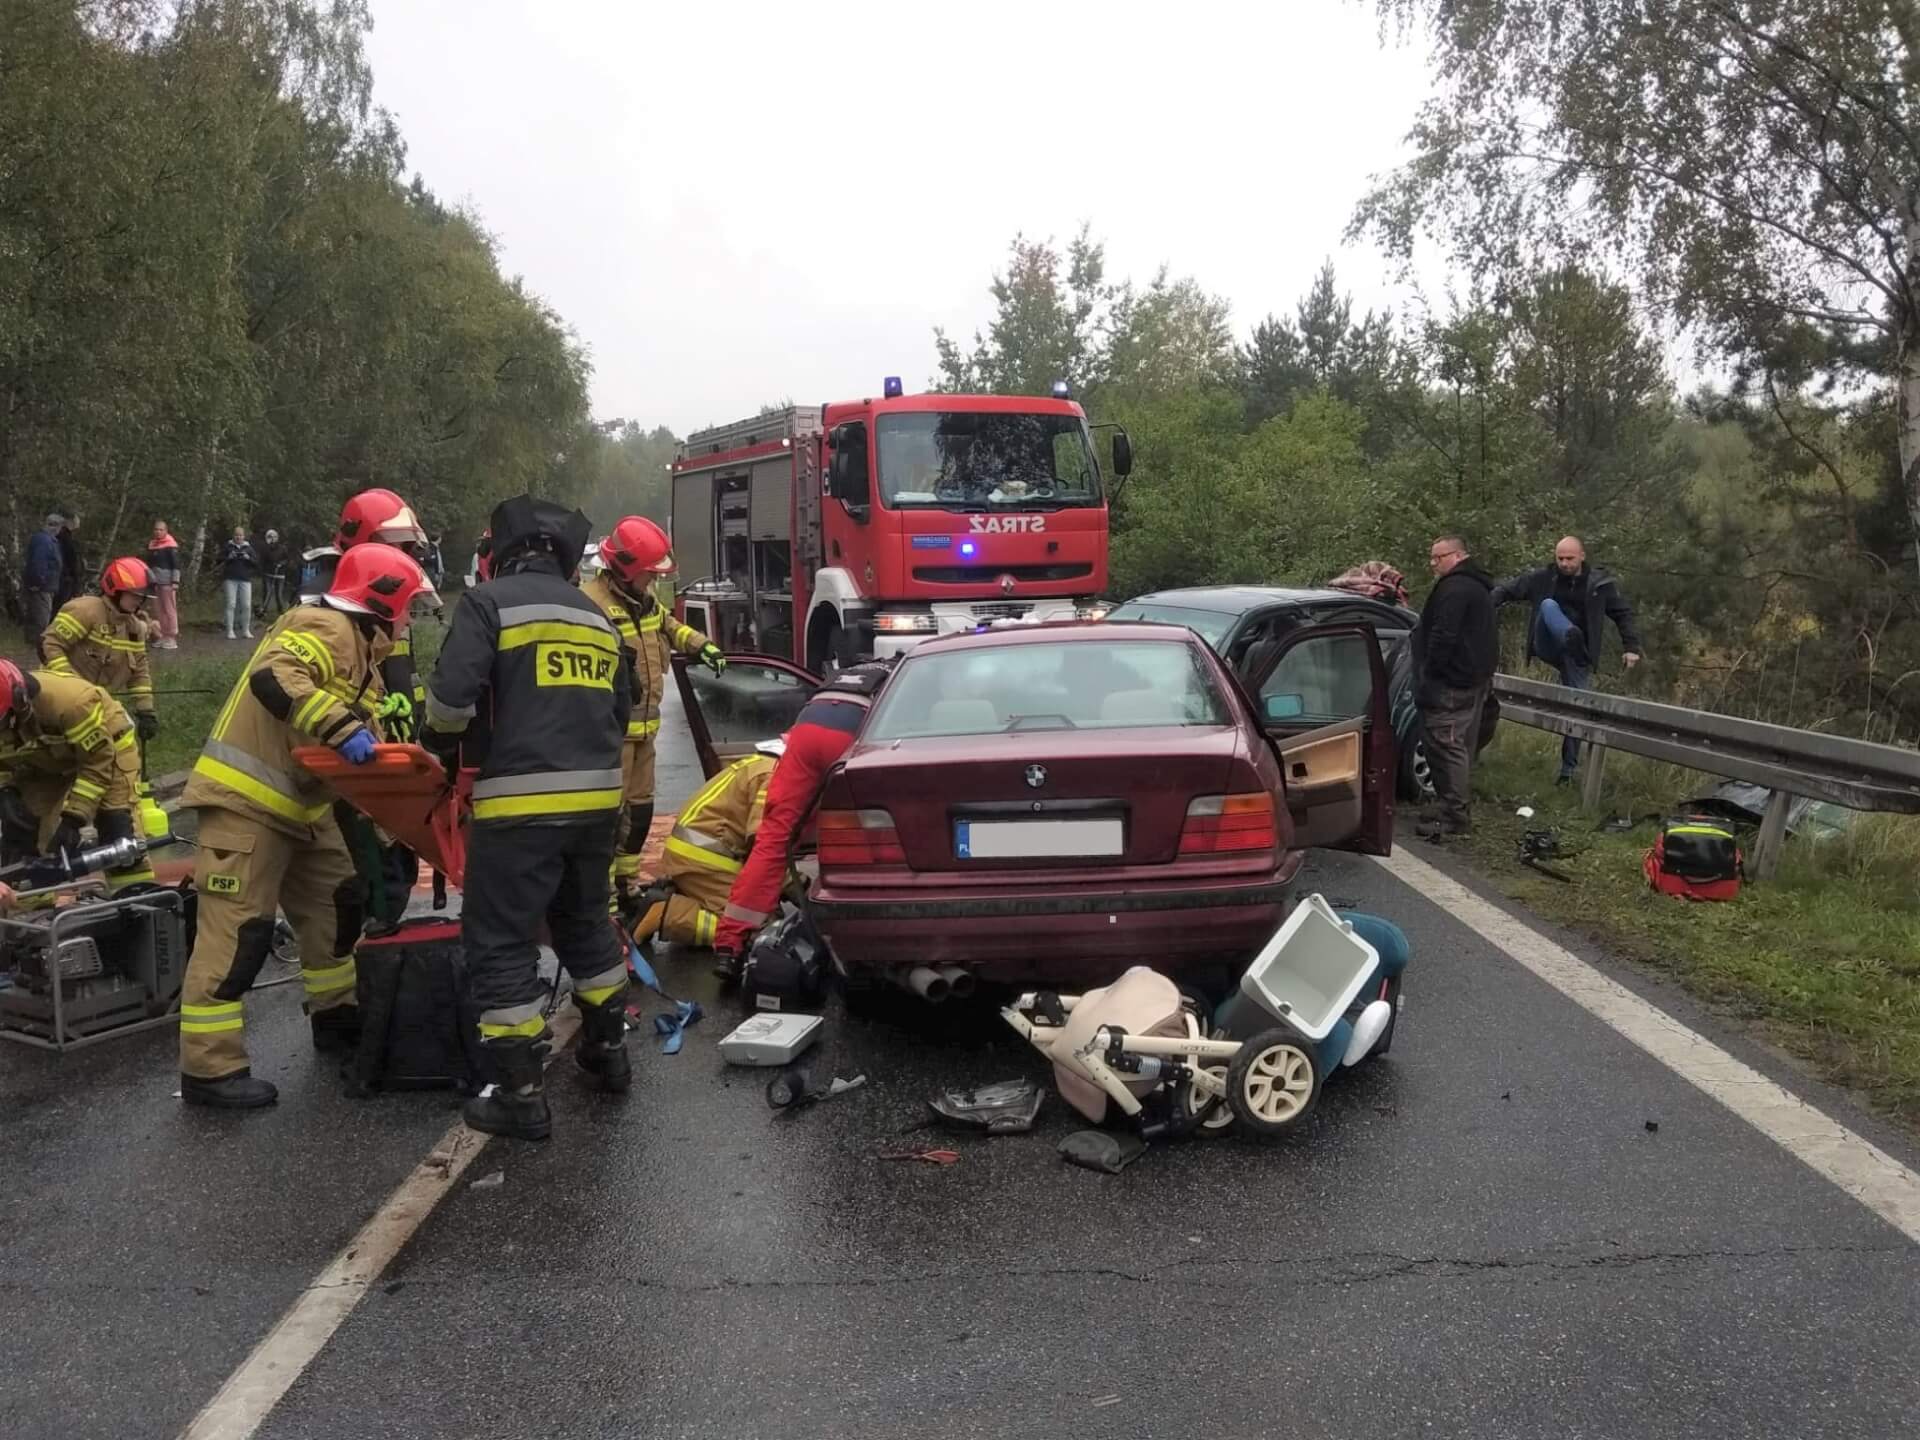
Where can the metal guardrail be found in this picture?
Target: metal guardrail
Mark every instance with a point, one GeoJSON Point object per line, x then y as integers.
{"type": "Point", "coordinates": [1855, 773]}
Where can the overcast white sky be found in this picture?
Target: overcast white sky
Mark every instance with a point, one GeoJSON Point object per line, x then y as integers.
{"type": "Point", "coordinates": [735, 204]}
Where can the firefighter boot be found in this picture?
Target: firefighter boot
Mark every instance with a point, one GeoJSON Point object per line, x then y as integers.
{"type": "Point", "coordinates": [238, 1091]}
{"type": "Point", "coordinates": [336, 1031]}
{"type": "Point", "coordinates": [647, 911]}
{"type": "Point", "coordinates": [517, 1105]}
{"type": "Point", "coordinates": [602, 1051]}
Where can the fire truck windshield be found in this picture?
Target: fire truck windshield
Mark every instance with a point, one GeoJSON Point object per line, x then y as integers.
{"type": "Point", "coordinates": [970, 460]}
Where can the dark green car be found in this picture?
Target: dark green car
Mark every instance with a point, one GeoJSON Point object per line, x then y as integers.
{"type": "Point", "coordinates": [1239, 621]}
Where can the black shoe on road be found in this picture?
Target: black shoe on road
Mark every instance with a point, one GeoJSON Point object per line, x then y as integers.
{"type": "Point", "coordinates": [606, 1065]}
{"type": "Point", "coordinates": [517, 1117]}
{"type": "Point", "coordinates": [238, 1091]}
{"type": "Point", "coordinates": [1438, 830]}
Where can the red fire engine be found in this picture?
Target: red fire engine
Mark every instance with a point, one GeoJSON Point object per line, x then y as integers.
{"type": "Point", "coordinates": [839, 532]}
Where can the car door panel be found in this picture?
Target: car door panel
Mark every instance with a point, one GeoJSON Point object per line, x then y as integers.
{"type": "Point", "coordinates": [1322, 698]}
{"type": "Point", "coordinates": [1325, 774]}
{"type": "Point", "coordinates": [757, 699]}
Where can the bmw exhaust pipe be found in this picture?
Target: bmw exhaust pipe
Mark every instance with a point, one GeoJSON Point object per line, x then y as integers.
{"type": "Point", "coordinates": [959, 982]}
{"type": "Point", "coordinates": [929, 984]}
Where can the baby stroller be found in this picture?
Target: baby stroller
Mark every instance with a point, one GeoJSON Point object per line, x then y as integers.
{"type": "Point", "coordinates": [1321, 996]}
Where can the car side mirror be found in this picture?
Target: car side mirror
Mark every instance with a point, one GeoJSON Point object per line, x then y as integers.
{"type": "Point", "coordinates": [1122, 455]}
{"type": "Point", "coordinates": [1284, 707]}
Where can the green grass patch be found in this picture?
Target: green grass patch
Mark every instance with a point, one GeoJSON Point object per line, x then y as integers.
{"type": "Point", "coordinates": [1823, 961]}
{"type": "Point", "coordinates": [189, 689]}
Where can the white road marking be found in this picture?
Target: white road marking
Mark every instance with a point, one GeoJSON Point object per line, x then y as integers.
{"type": "Point", "coordinates": [1862, 1169]}
{"type": "Point", "coordinates": [255, 1388]}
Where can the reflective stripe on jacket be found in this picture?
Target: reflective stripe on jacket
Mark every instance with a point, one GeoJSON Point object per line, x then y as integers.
{"type": "Point", "coordinates": [549, 669]}
{"type": "Point", "coordinates": [650, 636]}
{"type": "Point", "coordinates": [92, 639]}
{"type": "Point", "coordinates": [716, 827]}
{"type": "Point", "coordinates": [313, 680]}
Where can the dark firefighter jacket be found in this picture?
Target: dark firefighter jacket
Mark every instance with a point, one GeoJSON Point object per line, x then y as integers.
{"type": "Point", "coordinates": [547, 669]}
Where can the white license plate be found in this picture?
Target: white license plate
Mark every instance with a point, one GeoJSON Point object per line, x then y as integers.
{"type": "Point", "coordinates": [1037, 839]}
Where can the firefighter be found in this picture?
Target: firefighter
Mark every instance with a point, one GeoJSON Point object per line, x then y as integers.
{"type": "Point", "coordinates": [819, 737]}
{"type": "Point", "coordinates": [68, 759]}
{"type": "Point", "coordinates": [634, 555]}
{"type": "Point", "coordinates": [103, 638]}
{"type": "Point", "coordinates": [711, 839]}
{"type": "Point", "coordinates": [543, 670]}
{"type": "Point", "coordinates": [268, 838]}
{"type": "Point", "coordinates": [382, 517]}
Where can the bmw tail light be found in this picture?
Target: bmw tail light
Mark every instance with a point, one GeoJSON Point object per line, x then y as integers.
{"type": "Point", "coordinates": [1229, 824]}
{"type": "Point", "coordinates": [859, 837]}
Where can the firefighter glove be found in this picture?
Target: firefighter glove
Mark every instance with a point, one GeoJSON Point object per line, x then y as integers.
{"type": "Point", "coordinates": [444, 745]}
{"type": "Point", "coordinates": [66, 836]}
{"type": "Point", "coordinates": [713, 658]}
{"type": "Point", "coordinates": [396, 716]}
{"type": "Point", "coordinates": [357, 748]}
{"type": "Point", "coordinates": [147, 724]}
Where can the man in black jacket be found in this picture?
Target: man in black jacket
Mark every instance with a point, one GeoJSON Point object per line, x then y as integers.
{"type": "Point", "coordinates": [1568, 602]}
{"type": "Point", "coordinates": [1457, 653]}
{"type": "Point", "coordinates": [539, 663]}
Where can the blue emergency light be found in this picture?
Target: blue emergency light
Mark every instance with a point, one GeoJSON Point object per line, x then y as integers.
{"type": "Point", "coordinates": [892, 388]}
{"type": "Point", "coordinates": [967, 547]}
{"type": "Point", "coordinates": [1062, 390]}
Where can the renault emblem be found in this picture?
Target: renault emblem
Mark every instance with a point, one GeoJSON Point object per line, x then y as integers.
{"type": "Point", "coordinates": [1007, 582]}
{"type": "Point", "coordinates": [1036, 776]}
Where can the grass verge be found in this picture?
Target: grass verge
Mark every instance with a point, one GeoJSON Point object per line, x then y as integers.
{"type": "Point", "coordinates": [1822, 962]}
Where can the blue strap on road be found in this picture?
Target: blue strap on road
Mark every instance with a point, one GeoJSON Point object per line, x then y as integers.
{"type": "Point", "coordinates": [670, 1028]}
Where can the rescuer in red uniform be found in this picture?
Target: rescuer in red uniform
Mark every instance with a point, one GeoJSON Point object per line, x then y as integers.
{"type": "Point", "coordinates": [819, 737]}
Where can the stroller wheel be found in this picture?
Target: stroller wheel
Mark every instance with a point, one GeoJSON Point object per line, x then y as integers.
{"type": "Point", "coordinates": [1219, 1115]}
{"type": "Point", "coordinates": [1273, 1082]}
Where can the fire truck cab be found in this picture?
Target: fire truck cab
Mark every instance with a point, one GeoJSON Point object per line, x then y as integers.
{"type": "Point", "coordinates": [844, 531]}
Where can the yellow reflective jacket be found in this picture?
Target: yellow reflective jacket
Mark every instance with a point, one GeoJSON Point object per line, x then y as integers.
{"type": "Point", "coordinates": [94, 640]}
{"type": "Point", "coordinates": [314, 679]}
{"type": "Point", "coordinates": [716, 826]}
{"type": "Point", "coordinates": [650, 635]}
{"type": "Point", "coordinates": [75, 734]}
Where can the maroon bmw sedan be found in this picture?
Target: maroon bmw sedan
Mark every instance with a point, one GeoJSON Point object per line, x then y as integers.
{"type": "Point", "coordinates": [1047, 805]}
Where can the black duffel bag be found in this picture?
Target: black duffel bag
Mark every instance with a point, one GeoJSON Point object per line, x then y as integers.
{"type": "Point", "coordinates": [417, 1030]}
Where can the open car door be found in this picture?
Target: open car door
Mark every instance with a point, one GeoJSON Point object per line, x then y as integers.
{"type": "Point", "coordinates": [1323, 701]}
{"type": "Point", "coordinates": [758, 698]}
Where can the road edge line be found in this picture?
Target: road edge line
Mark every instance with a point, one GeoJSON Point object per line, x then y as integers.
{"type": "Point", "coordinates": [1852, 1163]}
{"type": "Point", "coordinates": [252, 1391]}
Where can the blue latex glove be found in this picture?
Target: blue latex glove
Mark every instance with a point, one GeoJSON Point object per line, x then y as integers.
{"type": "Point", "coordinates": [357, 748]}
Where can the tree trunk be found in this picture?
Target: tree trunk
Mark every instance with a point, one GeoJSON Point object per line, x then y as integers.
{"type": "Point", "coordinates": [199, 550]}
{"type": "Point", "coordinates": [1909, 380]}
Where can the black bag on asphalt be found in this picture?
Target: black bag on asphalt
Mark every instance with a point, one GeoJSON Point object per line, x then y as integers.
{"type": "Point", "coordinates": [417, 1031]}
{"type": "Point", "coordinates": [786, 965]}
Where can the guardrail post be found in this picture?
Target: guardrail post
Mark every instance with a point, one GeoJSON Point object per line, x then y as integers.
{"type": "Point", "coordinates": [1593, 775]}
{"type": "Point", "coordinates": [1773, 836]}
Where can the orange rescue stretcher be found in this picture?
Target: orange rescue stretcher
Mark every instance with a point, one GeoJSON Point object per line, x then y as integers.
{"type": "Point", "coordinates": [405, 791]}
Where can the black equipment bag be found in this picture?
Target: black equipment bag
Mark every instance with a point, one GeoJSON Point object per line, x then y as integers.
{"type": "Point", "coordinates": [786, 965]}
{"type": "Point", "coordinates": [417, 1029]}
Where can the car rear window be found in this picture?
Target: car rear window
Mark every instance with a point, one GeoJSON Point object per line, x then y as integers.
{"type": "Point", "coordinates": [1072, 685]}
{"type": "Point", "coordinates": [1210, 625]}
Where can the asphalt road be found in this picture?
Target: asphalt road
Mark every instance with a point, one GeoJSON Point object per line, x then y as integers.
{"type": "Point", "coordinates": [1477, 1236]}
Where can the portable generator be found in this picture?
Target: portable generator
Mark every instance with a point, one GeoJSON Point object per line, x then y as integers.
{"type": "Point", "coordinates": [85, 965]}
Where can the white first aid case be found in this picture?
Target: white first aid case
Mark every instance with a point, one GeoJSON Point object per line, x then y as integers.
{"type": "Point", "coordinates": [769, 1039]}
